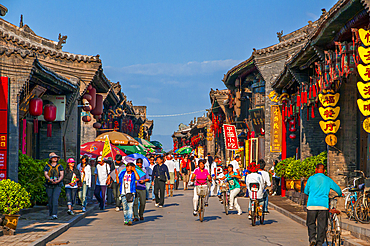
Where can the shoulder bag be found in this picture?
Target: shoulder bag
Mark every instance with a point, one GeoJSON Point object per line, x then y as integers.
{"type": "Point", "coordinates": [129, 196]}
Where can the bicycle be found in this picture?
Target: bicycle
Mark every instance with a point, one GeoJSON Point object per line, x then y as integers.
{"type": "Point", "coordinates": [256, 208]}
{"type": "Point", "coordinates": [202, 191]}
{"type": "Point", "coordinates": [225, 197]}
{"type": "Point", "coordinates": [334, 231]}
{"type": "Point", "coordinates": [362, 205]}
{"type": "Point", "coordinates": [351, 194]}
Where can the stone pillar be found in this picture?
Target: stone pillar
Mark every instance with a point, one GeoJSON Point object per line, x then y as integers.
{"type": "Point", "coordinates": [71, 133]}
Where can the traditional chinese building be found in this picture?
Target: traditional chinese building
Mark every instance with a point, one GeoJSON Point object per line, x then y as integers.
{"type": "Point", "coordinates": [319, 86]}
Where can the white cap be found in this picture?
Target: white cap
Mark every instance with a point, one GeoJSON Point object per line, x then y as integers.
{"type": "Point", "coordinates": [99, 158]}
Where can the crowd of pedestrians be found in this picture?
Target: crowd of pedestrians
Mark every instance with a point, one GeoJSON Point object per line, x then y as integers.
{"type": "Point", "coordinates": [159, 180]}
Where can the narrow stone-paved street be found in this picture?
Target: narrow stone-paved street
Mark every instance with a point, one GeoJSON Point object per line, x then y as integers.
{"type": "Point", "coordinates": [175, 224]}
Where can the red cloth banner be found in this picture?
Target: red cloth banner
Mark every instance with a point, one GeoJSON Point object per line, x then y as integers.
{"type": "Point", "coordinates": [231, 139]}
{"type": "Point", "coordinates": [4, 96]}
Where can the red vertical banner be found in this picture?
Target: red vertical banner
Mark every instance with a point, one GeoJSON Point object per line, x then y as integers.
{"type": "Point", "coordinates": [231, 139]}
{"type": "Point", "coordinates": [4, 97]}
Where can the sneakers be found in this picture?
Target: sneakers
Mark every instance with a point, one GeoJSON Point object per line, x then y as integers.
{"type": "Point", "coordinates": [160, 206]}
{"type": "Point", "coordinates": [274, 194]}
{"type": "Point", "coordinates": [117, 209]}
{"type": "Point", "coordinates": [206, 204]}
{"type": "Point", "coordinates": [157, 204]}
{"type": "Point", "coordinates": [136, 219]}
{"type": "Point", "coordinates": [129, 223]}
{"type": "Point", "coordinates": [250, 217]}
{"type": "Point", "coordinates": [83, 209]}
{"type": "Point", "coordinates": [54, 217]}
{"type": "Point", "coordinates": [195, 213]}
{"type": "Point", "coordinates": [141, 218]}
{"type": "Point", "coordinates": [231, 208]}
{"type": "Point", "coordinates": [240, 212]}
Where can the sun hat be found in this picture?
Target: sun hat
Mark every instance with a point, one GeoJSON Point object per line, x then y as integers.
{"type": "Point", "coordinates": [71, 160]}
{"type": "Point", "coordinates": [53, 155]}
{"type": "Point", "coordinates": [99, 158]}
{"type": "Point", "coordinates": [253, 167]}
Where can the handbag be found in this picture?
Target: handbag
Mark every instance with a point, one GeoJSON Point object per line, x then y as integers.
{"type": "Point", "coordinates": [109, 181]}
{"type": "Point", "coordinates": [160, 176]}
{"type": "Point", "coordinates": [184, 170]}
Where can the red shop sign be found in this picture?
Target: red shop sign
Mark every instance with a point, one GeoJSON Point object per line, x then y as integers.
{"type": "Point", "coordinates": [4, 97]}
{"type": "Point", "coordinates": [231, 139]}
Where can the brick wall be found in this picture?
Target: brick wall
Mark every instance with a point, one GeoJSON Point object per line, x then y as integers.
{"type": "Point", "coordinates": [312, 137]}
{"type": "Point", "coordinates": [342, 157]}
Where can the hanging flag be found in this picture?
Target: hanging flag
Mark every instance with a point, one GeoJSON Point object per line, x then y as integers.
{"type": "Point", "coordinates": [106, 148]}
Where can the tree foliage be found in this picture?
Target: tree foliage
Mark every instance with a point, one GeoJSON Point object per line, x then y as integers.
{"type": "Point", "coordinates": [13, 197]}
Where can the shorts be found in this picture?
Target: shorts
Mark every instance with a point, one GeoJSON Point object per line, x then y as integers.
{"type": "Point", "coordinates": [172, 178]}
{"type": "Point", "coordinates": [185, 177]}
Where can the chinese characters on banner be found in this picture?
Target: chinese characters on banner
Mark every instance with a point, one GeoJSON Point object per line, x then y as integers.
{"type": "Point", "coordinates": [276, 131]}
{"type": "Point", "coordinates": [329, 113]}
{"type": "Point", "coordinates": [231, 139]}
{"type": "Point", "coordinates": [364, 72]}
{"type": "Point", "coordinates": [4, 95]}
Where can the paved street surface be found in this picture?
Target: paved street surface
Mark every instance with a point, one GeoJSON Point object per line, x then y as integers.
{"type": "Point", "coordinates": [175, 224]}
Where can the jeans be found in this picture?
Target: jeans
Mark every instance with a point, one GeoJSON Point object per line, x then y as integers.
{"type": "Point", "coordinates": [140, 197]}
{"type": "Point", "coordinates": [100, 198]}
{"type": "Point", "coordinates": [53, 192]}
{"type": "Point", "coordinates": [127, 208]}
{"type": "Point", "coordinates": [159, 188]}
{"type": "Point", "coordinates": [321, 216]}
{"type": "Point", "coordinates": [148, 185]}
{"type": "Point", "coordinates": [71, 195]}
{"type": "Point", "coordinates": [116, 193]}
{"type": "Point", "coordinates": [82, 194]}
{"type": "Point", "coordinates": [265, 201]}
{"type": "Point", "coordinates": [234, 200]}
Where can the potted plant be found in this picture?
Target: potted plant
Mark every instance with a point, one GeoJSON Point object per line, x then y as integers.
{"type": "Point", "coordinates": [285, 169]}
{"type": "Point", "coordinates": [13, 198]}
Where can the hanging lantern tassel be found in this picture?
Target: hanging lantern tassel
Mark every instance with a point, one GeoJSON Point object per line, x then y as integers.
{"type": "Point", "coordinates": [298, 100]}
{"type": "Point", "coordinates": [312, 112]}
{"type": "Point", "coordinates": [35, 125]}
{"type": "Point", "coordinates": [305, 95]}
{"type": "Point", "coordinates": [308, 113]}
{"type": "Point", "coordinates": [49, 128]}
{"type": "Point", "coordinates": [310, 92]}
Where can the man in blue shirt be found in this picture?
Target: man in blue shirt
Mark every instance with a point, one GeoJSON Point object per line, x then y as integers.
{"type": "Point", "coordinates": [318, 188]}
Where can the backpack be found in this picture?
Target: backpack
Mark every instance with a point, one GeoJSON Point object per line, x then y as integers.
{"type": "Point", "coordinates": [53, 171]}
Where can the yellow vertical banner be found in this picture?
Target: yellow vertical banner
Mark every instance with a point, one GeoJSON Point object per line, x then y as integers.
{"type": "Point", "coordinates": [106, 148]}
{"type": "Point", "coordinates": [276, 129]}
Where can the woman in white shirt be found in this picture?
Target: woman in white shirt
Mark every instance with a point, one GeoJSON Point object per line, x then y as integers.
{"type": "Point", "coordinates": [85, 173]}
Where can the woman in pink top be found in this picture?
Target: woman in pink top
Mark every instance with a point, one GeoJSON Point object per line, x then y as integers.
{"type": "Point", "coordinates": [200, 175]}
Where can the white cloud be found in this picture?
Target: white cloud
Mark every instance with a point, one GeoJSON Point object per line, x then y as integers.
{"type": "Point", "coordinates": [187, 69]}
{"type": "Point", "coordinates": [153, 100]}
{"type": "Point", "coordinates": [312, 15]}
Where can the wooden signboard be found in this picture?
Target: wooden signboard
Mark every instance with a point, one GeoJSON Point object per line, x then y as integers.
{"type": "Point", "coordinates": [258, 120]}
{"type": "Point", "coordinates": [276, 129]}
{"type": "Point", "coordinates": [36, 91]}
{"type": "Point", "coordinates": [231, 139]}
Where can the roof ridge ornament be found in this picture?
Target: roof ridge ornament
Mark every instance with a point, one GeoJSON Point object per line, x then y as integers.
{"type": "Point", "coordinates": [280, 36]}
{"type": "Point", "coordinates": [62, 40]}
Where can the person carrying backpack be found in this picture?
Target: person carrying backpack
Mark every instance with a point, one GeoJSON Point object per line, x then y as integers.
{"type": "Point", "coordinates": [70, 180]}
{"type": "Point", "coordinates": [54, 173]}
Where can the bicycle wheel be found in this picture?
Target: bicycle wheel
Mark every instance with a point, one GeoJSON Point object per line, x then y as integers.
{"type": "Point", "coordinates": [201, 209]}
{"type": "Point", "coordinates": [362, 210]}
{"type": "Point", "coordinates": [226, 206]}
{"type": "Point", "coordinates": [262, 219]}
{"type": "Point", "coordinates": [254, 214]}
{"type": "Point", "coordinates": [349, 209]}
{"type": "Point", "coordinates": [335, 231]}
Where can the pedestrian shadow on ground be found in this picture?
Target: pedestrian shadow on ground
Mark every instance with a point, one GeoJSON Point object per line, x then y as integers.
{"type": "Point", "coordinates": [175, 195]}
{"type": "Point", "coordinates": [170, 205]}
{"type": "Point", "coordinates": [147, 211]}
{"type": "Point", "coordinates": [148, 219]}
{"type": "Point", "coordinates": [210, 218]}
{"type": "Point", "coordinates": [268, 222]}
{"type": "Point", "coordinates": [36, 228]}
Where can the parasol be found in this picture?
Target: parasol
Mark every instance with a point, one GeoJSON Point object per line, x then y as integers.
{"type": "Point", "coordinates": [117, 138]}
{"type": "Point", "coordinates": [145, 143]}
{"type": "Point", "coordinates": [95, 149]}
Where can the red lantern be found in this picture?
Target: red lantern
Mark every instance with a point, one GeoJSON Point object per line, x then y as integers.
{"type": "Point", "coordinates": [92, 93]}
{"type": "Point", "coordinates": [98, 110]}
{"type": "Point", "coordinates": [97, 125]}
{"type": "Point", "coordinates": [292, 136]}
{"type": "Point", "coordinates": [292, 126]}
{"type": "Point", "coordinates": [36, 105]}
{"type": "Point", "coordinates": [87, 108]}
{"type": "Point", "coordinates": [87, 97]}
{"type": "Point", "coordinates": [86, 118]}
{"type": "Point", "coordinates": [50, 114]}
{"type": "Point", "coordinates": [89, 87]}
{"type": "Point", "coordinates": [262, 131]}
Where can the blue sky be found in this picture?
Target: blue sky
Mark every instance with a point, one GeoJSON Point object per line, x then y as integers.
{"type": "Point", "coordinates": [166, 54]}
